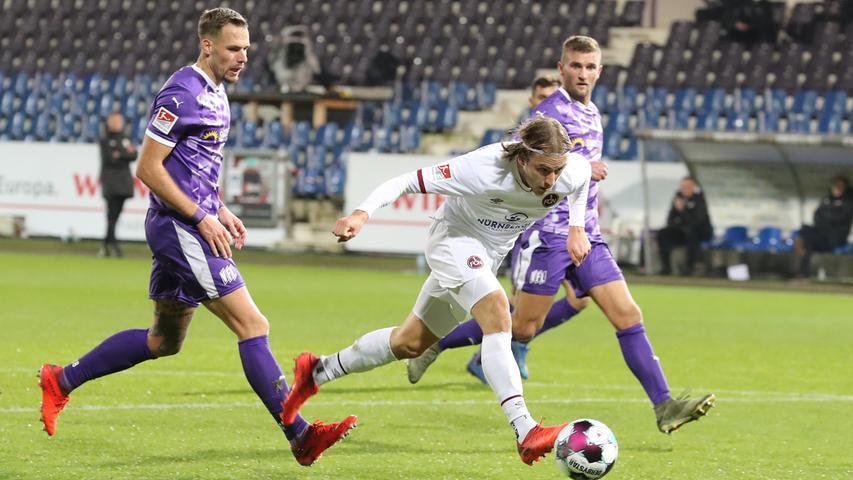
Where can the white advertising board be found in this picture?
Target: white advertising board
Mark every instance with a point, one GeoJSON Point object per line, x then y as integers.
{"type": "Point", "coordinates": [56, 189]}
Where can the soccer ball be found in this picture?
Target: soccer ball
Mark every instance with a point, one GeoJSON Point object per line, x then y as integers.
{"type": "Point", "coordinates": [585, 449]}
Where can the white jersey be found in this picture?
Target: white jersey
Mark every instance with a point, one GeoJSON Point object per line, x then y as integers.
{"type": "Point", "coordinates": [485, 197]}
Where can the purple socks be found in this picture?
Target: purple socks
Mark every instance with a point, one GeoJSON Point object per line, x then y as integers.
{"type": "Point", "coordinates": [263, 373]}
{"type": "Point", "coordinates": [465, 334]}
{"type": "Point", "coordinates": [129, 347]}
{"type": "Point", "coordinates": [119, 352]}
{"type": "Point", "coordinates": [643, 362]}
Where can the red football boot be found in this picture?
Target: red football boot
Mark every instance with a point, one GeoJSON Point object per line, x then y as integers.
{"type": "Point", "coordinates": [303, 387]}
{"type": "Point", "coordinates": [52, 398]}
{"type": "Point", "coordinates": [539, 441]}
{"type": "Point", "coordinates": [319, 437]}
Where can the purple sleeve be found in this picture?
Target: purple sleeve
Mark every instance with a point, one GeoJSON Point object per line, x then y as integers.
{"type": "Point", "coordinates": [173, 113]}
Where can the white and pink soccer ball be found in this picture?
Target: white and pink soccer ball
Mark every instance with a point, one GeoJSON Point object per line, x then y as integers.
{"type": "Point", "coordinates": [585, 450]}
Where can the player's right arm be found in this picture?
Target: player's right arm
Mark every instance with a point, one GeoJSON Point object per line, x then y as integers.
{"type": "Point", "coordinates": [151, 171]}
{"type": "Point", "coordinates": [449, 178]}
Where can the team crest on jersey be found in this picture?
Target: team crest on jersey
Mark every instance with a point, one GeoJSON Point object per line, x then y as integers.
{"type": "Point", "coordinates": [442, 172]}
{"type": "Point", "coordinates": [164, 120]}
{"type": "Point", "coordinates": [577, 142]}
{"type": "Point", "coordinates": [550, 200]}
{"type": "Point", "coordinates": [474, 262]}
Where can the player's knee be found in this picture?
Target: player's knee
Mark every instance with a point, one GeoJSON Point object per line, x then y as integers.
{"type": "Point", "coordinates": [628, 316]}
{"type": "Point", "coordinates": [163, 346]}
{"type": "Point", "coordinates": [524, 329]}
{"type": "Point", "coordinates": [257, 326]}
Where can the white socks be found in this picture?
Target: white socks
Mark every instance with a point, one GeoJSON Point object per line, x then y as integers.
{"type": "Point", "coordinates": [368, 352]}
{"type": "Point", "coordinates": [502, 373]}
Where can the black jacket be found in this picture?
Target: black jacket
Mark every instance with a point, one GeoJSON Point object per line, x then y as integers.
{"type": "Point", "coordinates": [834, 217]}
{"type": "Point", "coordinates": [693, 219]}
{"type": "Point", "coordinates": [116, 180]}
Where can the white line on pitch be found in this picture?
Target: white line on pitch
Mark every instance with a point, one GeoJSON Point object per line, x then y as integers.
{"type": "Point", "coordinates": [785, 396]}
{"type": "Point", "coordinates": [418, 403]}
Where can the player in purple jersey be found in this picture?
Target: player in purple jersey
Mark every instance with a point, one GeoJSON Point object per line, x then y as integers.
{"type": "Point", "coordinates": [541, 264]}
{"type": "Point", "coordinates": [190, 233]}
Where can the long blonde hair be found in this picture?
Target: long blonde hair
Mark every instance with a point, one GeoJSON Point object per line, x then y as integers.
{"type": "Point", "coordinates": [540, 135]}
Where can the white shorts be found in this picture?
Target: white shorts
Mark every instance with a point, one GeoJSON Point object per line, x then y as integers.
{"type": "Point", "coordinates": [463, 272]}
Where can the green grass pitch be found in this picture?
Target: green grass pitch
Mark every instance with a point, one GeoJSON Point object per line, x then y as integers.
{"type": "Point", "coordinates": [781, 364]}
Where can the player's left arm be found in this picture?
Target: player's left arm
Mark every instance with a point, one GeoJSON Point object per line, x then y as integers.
{"type": "Point", "coordinates": [578, 173]}
{"type": "Point", "coordinates": [234, 225]}
{"type": "Point", "coordinates": [151, 171]}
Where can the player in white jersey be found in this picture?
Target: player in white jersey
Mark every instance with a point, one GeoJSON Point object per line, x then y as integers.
{"type": "Point", "coordinates": [492, 195]}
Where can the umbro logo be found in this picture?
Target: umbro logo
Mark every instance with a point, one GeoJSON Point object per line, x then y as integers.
{"type": "Point", "coordinates": [496, 201]}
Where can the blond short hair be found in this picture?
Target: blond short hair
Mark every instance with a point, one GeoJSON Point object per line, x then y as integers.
{"type": "Point", "coordinates": [212, 21]}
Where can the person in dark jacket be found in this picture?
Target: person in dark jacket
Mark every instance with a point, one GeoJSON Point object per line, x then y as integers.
{"type": "Point", "coordinates": [687, 224]}
{"type": "Point", "coordinates": [117, 152]}
{"type": "Point", "coordinates": [832, 221]}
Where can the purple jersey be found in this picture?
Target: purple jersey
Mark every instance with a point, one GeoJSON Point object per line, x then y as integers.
{"type": "Point", "coordinates": [191, 115]}
{"type": "Point", "coordinates": [583, 124]}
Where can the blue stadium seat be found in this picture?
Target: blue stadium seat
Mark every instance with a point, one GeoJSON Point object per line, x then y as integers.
{"type": "Point", "coordinates": [629, 148]}
{"type": "Point", "coordinates": [743, 101]}
{"type": "Point", "coordinates": [21, 83]}
{"type": "Point", "coordinates": [486, 94]}
{"type": "Point", "coordinates": [707, 120]}
{"type": "Point", "coordinates": [301, 134]}
{"type": "Point", "coordinates": [618, 122]}
{"type": "Point", "coordinates": [627, 99]}
{"type": "Point", "coordinates": [351, 137]}
{"type": "Point", "coordinates": [410, 138]}
{"type": "Point", "coordinates": [42, 131]}
{"type": "Point", "coordinates": [769, 121]}
{"type": "Point", "coordinates": [443, 116]}
{"type": "Point", "coordinates": [492, 135]}
{"type": "Point", "coordinates": [612, 145]}
{"type": "Point", "coordinates": [776, 101]}
{"type": "Point", "coordinates": [91, 130]}
{"type": "Point", "coordinates": [274, 134]}
{"type": "Point", "coordinates": [465, 96]}
{"type": "Point", "coordinates": [249, 134]}
{"type": "Point", "coordinates": [7, 103]}
{"type": "Point", "coordinates": [685, 100]}
{"type": "Point", "coordinates": [832, 115]}
{"type": "Point", "coordinates": [16, 126]}
{"type": "Point", "coordinates": [737, 121]}
{"type": "Point", "coordinates": [335, 179]}
{"type": "Point", "coordinates": [326, 135]}
{"type": "Point", "coordinates": [599, 98]}
{"type": "Point", "coordinates": [138, 131]}
{"type": "Point", "coordinates": [433, 92]}
{"type": "Point", "coordinates": [391, 114]}
{"type": "Point", "coordinates": [236, 112]}
{"type": "Point", "coordinates": [415, 115]}
{"type": "Point", "coordinates": [386, 140]}
{"type": "Point", "coordinates": [769, 239]}
{"type": "Point", "coordinates": [735, 237]}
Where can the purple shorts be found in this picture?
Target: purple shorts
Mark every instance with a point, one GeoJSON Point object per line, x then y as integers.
{"type": "Point", "coordinates": [183, 267]}
{"type": "Point", "coordinates": [540, 263]}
